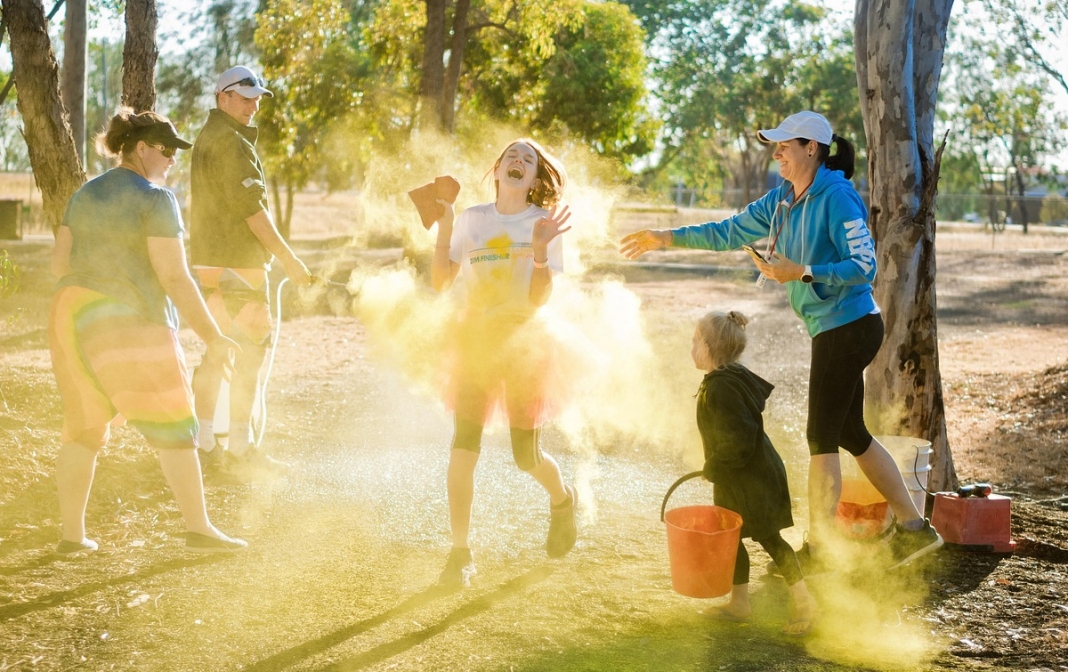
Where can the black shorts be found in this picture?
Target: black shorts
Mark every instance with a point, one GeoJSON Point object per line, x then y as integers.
{"type": "Point", "coordinates": [836, 386]}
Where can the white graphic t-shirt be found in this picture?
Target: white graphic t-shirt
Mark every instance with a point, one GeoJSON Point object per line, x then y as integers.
{"type": "Point", "coordinates": [496, 258]}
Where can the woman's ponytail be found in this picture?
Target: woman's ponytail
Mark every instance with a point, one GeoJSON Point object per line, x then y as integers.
{"type": "Point", "coordinates": [840, 155]}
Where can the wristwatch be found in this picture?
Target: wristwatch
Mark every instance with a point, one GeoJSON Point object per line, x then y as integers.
{"type": "Point", "coordinates": [806, 277]}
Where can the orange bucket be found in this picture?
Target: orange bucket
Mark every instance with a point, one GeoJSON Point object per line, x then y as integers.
{"type": "Point", "coordinates": [862, 511]}
{"type": "Point", "coordinates": [702, 546]}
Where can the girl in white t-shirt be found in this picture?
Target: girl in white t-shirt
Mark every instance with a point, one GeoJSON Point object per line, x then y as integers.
{"type": "Point", "coordinates": [506, 253]}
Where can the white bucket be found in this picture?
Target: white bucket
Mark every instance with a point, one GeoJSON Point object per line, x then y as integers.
{"type": "Point", "coordinates": [910, 454]}
{"type": "Point", "coordinates": [916, 482]}
{"type": "Point", "coordinates": [913, 459]}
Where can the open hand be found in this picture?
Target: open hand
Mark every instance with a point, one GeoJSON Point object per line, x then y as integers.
{"type": "Point", "coordinates": [634, 245]}
{"type": "Point", "coordinates": [547, 228]}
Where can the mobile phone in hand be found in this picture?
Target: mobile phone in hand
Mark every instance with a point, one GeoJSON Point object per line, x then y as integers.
{"type": "Point", "coordinates": [754, 254]}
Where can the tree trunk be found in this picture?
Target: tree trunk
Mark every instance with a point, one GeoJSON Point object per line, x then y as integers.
{"type": "Point", "coordinates": [433, 70]}
{"type": "Point", "coordinates": [53, 157]}
{"type": "Point", "coordinates": [139, 55]}
{"type": "Point", "coordinates": [1021, 193]}
{"type": "Point", "coordinates": [456, 58]}
{"type": "Point", "coordinates": [899, 52]}
{"type": "Point", "coordinates": [74, 81]}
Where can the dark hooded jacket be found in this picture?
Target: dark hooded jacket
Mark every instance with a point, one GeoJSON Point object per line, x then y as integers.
{"type": "Point", "coordinates": [748, 474]}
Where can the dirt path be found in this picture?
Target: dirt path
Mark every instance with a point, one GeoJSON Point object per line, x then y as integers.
{"type": "Point", "coordinates": [345, 548]}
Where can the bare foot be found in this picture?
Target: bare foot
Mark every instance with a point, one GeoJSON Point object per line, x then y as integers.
{"type": "Point", "coordinates": [727, 612]}
{"type": "Point", "coordinates": [803, 615]}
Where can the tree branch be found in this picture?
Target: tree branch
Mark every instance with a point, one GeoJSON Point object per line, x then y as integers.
{"type": "Point", "coordinates": [3, 28]}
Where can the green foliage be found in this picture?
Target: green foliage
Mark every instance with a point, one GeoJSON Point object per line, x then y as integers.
{"type": "Point", "coordinates": [313, 70]}
{"type": "Point", "coordinates": [9, 274]}
{"type": "Point", "coordinates": [726, 68]}
{"type": "Point", "coordinates": [998, 107]}
{"type": "Point", "coordinates": [565, 67]}
{"type": "Point", "coordinates": [1037, 29]}
{"type": "Point", "coordinates": [595, 83]}
{"type": "Point", "coordinates": [14, 155]}
{"type": "Point", "coordinates": [209, 38]}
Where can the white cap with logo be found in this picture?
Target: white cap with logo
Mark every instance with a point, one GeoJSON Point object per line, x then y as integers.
{"type": "Point", "coordinates": [242, 81]}
{"type": "Point", "coordinates": [807, 125]}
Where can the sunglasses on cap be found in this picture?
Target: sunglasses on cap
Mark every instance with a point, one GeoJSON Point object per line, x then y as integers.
{"type": "Point", "coordinates": [247, 81]}
{"type": "Point", "coordinates": [167, 152]}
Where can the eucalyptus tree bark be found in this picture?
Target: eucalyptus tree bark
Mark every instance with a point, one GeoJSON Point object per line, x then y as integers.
{"type": "Point", "coordinates": [899, 53]}
{"type": "Point", "coordinates": [456, 58]}
{"type": "Point", "coordinates": [74, 81]}
{"type": "Point", "coordinates": [433, 70]}
{"type": "Point", "coordinates": [139, 54]}
{"type": "Point", "coordinates": [54, 160]}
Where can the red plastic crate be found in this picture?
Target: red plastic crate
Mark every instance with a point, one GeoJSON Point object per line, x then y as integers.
{"type": "Point", "coordinates": [974, 523]}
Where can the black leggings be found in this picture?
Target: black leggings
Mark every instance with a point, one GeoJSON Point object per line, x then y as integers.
{"type": "Point", "coordinates": [526, 448]}
{"type": "Point", "coordinates": [780, 552]}
{"type": "Point", "coordinates": [836, 386]}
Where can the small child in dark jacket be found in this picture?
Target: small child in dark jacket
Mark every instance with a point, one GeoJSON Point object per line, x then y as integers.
{"type": "Point", "coordinates": [748, 474]}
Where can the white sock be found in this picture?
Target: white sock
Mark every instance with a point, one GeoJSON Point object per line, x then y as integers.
{"type": "Point", "coordinates": [206, 435]}
{"type": "Point", "coordinates": [240, 438]}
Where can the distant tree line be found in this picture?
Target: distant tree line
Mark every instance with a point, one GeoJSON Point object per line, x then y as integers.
{"type": "Point", "coordinates": [671, 92]}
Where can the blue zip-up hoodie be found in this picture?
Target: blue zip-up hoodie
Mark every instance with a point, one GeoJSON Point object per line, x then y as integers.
{"type": "Point", "coordinates": [827, 230]}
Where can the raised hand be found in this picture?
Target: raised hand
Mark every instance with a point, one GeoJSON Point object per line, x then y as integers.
{"type": "Point", "coordinates": [547, 228]}
{"type": "Point", "coordinates": [634, 245]}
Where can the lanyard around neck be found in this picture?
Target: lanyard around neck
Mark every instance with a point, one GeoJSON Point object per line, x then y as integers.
{"type": "Point", "coordinates": [773, 241]}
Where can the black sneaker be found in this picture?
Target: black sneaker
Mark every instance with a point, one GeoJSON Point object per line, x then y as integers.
{"type": "Point", "coordinates": [459, 568]}
{"type": "Point", "coordinates": [72, 548]}
{"type": "Point", "coordinates": [562, 528]}
{"type": "Point", "coordinates": [202, 543]}
{"type": "Point", "coordinates": [907, 546]}
{"type": "Point", "coordinates": [211, 460]}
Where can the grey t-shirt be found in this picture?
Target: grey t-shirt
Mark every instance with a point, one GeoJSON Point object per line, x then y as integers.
{"type": "Point", "coordinates": [111, 219]}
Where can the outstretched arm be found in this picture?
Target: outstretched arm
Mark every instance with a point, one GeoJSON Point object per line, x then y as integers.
{"type": "Point", "coordinates": [634, 245]}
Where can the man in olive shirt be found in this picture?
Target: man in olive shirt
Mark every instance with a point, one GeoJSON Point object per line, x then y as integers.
{"type": "Point", "coordinates": [233, 241]}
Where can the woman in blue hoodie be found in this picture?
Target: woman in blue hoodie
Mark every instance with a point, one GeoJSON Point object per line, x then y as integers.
{"type": "Point", "coordinates": [819, 246]}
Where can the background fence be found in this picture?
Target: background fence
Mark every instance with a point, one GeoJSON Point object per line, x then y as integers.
{"type": "Point", "coordinates": [1048, 209]}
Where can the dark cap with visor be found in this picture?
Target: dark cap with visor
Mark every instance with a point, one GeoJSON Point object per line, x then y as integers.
{"type": "Point", "coordinates": [161, 133]}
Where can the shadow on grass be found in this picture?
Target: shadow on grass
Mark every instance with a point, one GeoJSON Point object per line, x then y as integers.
{"type": "Point", "coordinates": [389, 649]}
{"type": "Point", "coordinates": [55, 599]}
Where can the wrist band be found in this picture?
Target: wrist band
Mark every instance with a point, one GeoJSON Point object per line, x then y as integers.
{"type": "Point", "coordinates": [541, 264]}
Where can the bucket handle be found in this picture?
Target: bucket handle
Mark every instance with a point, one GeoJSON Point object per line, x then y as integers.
{"type": "Point", "coordinates": [692, 474]}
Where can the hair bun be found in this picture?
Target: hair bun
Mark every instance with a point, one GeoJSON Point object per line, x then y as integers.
{"type": "Point", "coordinates": [738, 318]}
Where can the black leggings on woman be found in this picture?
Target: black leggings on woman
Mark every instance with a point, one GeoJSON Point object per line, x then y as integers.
{"type": "Point", "coordinates": [836, 386]}
{"type": "Point", "coordinates": [780, 552]}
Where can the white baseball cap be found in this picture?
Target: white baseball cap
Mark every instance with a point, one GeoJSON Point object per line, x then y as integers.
{"type": "Point", "coordinates": [243, 81]}
{"type": "Point", "coordinates": [807, 125]}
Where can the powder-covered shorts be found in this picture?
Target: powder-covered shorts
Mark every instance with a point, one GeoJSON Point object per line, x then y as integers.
{"type": "Point", "coordinates": [111, 361]}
